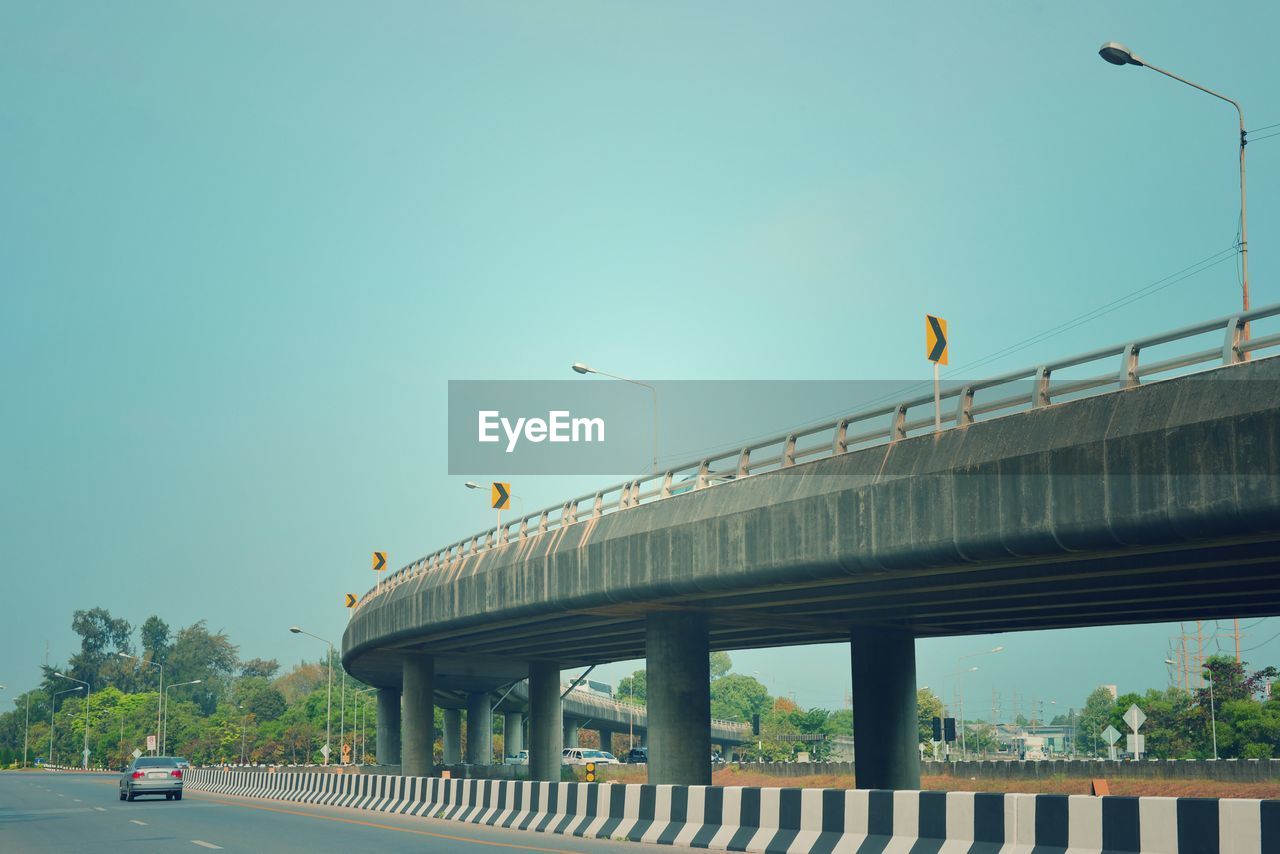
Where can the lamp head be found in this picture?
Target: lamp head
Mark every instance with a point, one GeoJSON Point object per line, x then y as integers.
{"type": "Point", "coordinates": [1117, 54]}
{"type": "Point", "coordinates": [471, 484]}
{"type": "Point", "coordinates": [295, 630]}
{"type": "Point", "coordinates": [998, 649]}
{"type": "Point", "coordinates": [582, 369]}
{"type": "Point", "coordinates": [1170, 661]}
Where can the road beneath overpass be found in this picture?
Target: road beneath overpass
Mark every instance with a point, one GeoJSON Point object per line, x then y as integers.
{"type": "Point", "coordinates": [1154, 503]}
{"type": "Point", "coordinates": [44, 811]}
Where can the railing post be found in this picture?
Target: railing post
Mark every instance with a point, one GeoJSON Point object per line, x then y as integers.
{"type": "Point", "coordinates": [789, 452]}
{"type": "Point", "coordinates": [744, 462]}
{"type": "Point", "coordinates": [1040, 394]}
{"type": "Point", "coordinates": [841, 445]}
{"type": "Point", "coordinates": [475, 545]}
{"type": "Point", "coordinates": [703, 470]}
{"type": "Point", "coordinates": [543, 521]}
{"type": "Point", "coordinates": [524, 528]}
{"type": "Point", "coordinates": [665, 492]}
{"type": "Point", "coordinates": [635, 493]}
{"type": "Point", "coordinates": [899, 428]}
{"type": "Point", "coordinates": [1231, 352]}
{"type": "Point", "coordinates": [597, 506]}
{"type": "Point", "coordinates": [1129, 367]}
{"type": "Point", "coordinates": [569, 514]}
{"type": "Point", "coordinates": [964, 407]}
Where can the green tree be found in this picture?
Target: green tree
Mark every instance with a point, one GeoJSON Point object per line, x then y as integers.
{"type": "Point", "coordinates": [101, 637]}
{"type": "Point", "coordinates": [155, 639]}
{"type": "Point", "coordinates": [199, 654]}
{"type": "Point", "coordinates": [1093, 719]}
{"type": "Point", "coordinates": [264, 668]}
{"type": "Point", "coordinates": [737, 697]}
{"type": "Point", "coordinates": [721, 664]}
{"type": "Point", "coordinates": [928, 707]}
{"type": "Point", "coordinates": [633, 688]}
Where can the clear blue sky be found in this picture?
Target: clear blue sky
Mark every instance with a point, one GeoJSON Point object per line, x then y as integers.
{"type": "Point", "coordinates": [246, 245]}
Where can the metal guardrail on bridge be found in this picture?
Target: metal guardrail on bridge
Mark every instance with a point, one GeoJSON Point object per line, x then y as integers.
{"type": "Point", "coordinates": [879, 425]}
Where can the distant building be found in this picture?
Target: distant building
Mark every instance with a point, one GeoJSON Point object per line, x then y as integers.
{"type": "Point", "coordinates": [1112, 690]}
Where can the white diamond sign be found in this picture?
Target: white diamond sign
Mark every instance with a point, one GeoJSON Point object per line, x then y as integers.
{"type": "Point", "coordinates": [1111, 734]}
{"type": "Point", "coordinates": [136, 753]}
{"type": "Point", "coordinates": [325, 751]}
{"type": "Point", "coordinates": [1135, 718]}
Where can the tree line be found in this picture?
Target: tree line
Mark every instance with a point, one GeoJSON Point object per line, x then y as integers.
{"type": "Point", "coordinates": [231, 710]}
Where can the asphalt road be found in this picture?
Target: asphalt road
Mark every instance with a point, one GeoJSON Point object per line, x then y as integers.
{"type": "Point", "coordinates": [51, 811]}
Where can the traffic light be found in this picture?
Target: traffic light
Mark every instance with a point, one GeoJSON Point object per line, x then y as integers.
{"type": "Point", "coordinates": [755, 724]}
{"type": "Point", "coordinates": [937, 729]}
{"type": "Point", "coordinates": [949, 729]}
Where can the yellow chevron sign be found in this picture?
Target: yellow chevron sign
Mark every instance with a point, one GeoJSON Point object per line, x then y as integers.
{"type": "Point", "coordinates": [500, 495]}
{"type": "Point", "coordinates": [935, 339]}
{"type": "Point", "coordinates": [351, 600]}
{"type": "Point", "coordinates": [379, 561]}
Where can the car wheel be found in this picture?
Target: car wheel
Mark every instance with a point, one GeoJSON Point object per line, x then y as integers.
{"type": "Point", "coordinates": [168, 796]}
{"type": "Point", "coordinates": [122, 796]}
{"type": "Point", "coordinates": [130, 796]}
{"type": "Point", "coordinates": [178, 796]}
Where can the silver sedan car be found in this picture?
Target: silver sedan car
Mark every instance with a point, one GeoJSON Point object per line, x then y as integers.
{"type": "Point", "coordinates": [152, 775]}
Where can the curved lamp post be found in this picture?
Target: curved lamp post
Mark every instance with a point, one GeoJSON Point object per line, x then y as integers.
{"type": "Point", "coordinates": [1118, 54]}
{"type": "Point", "coordinates": [52, 698]}
{"type": "Point", "coordinates": [88, 693]}
{"type": "Point", "coordinates": [159, 695]}
{"type": "Point", "coordinates": [328, 709]}
{"type": "Point", "coordinates": [580, 368]}
{"type": "Point", "coordinates": [164, 736]}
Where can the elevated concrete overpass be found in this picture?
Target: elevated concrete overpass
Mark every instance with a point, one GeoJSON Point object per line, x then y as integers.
{"type": "Point", "coordinates": [1147, 502]}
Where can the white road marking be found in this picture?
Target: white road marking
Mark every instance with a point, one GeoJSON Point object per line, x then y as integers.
{"type": "Point", "coordinates": [204, 844]}
{"type": "Point", "coordinates": [77, 800]}
{"type": "Point", "coordinates": [139, 823]}
{"type": "Point", "coordinates": [100, 809]}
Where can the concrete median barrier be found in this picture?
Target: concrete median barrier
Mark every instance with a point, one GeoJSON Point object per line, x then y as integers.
{"type": "Point", "coordinates": [790, 820]}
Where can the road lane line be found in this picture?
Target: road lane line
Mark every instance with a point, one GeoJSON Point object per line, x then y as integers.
{"type": "Point", "coordinates": [139, 823]}
{"type": "Point", "coordinates": [393, 827]}
{"type": "Point", "coordinates": [204, 844]}
{"type": "Point", "coordinates": [100, 809]}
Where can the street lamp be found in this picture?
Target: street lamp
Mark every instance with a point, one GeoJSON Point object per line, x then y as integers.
{"type": "Point", "coordinates": [164, 735]}
{"type": "Point", "coordinates": [52, 703]}
{"type": "Point", "coordinates": [1118, 54]}
{"type": "Point", "coordinates": [88, 693]}
{"type": "Point", "coordinates": [159, 695]}
{"type": "Point", "coordinates": [580, 368]}
{"type": "Point", "coordinates": [960, 688]}
{"type": "Point", "coordinates": [328, 709]}
{"type": "Point", "coordinates": [1213, 715]}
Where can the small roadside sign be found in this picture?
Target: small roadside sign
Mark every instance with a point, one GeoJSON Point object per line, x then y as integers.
{"type": "Point", "coordinates": [136, 753]}
{"type": "Point", "coordinates": [151, 742]}
{"type": "Point", "coordinates": [935, 340]}
{"type": "Point", "coordinates": [591, 772]}
{"type": "Point", "coordinates": [500, 495]}
{"type": "Point", "coordinates": [1111, 735]}
{"type": "Point", "coordinates": [1135, 744]}
{"type": "Point", "coordinates": [1135, 718]}
{"type": "Point", "coordinates": [379, 561]}
{"type": "Point", "coordinates": [324, 751]}
{"type": "Point", "coordinates": [351, 600]}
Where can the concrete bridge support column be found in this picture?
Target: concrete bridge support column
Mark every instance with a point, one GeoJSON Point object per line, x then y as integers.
{"type": "Point", "coordinates": [417, 723]}
{"type": "Point", "coordinates": [388, 728]}
{"type": "Point", "coordinates": [479, 730]}
{"type": "Point", "coordinates": [570, 732]}
{"type": "Point", "coordinates": [606, 739]}
{"type": "Point", "coordinates": [512, 733]}
{"type": "Point", "coordinates": [676, 651]}
{"type": "Point", "coordinates": [545, 720]}
{"type": "Point", "coordinates": [452, 736]}
{"type": "Point", "coordinates": [885, 727]}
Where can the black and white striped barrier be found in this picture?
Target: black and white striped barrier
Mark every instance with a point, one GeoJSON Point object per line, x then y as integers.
{"type": "Point", "coordinates": [793, 820]}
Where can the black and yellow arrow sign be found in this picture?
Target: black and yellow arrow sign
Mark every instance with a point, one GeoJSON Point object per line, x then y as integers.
{"type": "Point", "coordinates": [379, 561]}
{"type": "Point", "coordinates": [351, 600]}
{"type": "Point", "coordinates": [500, 495]}
{"type": "Point", "coordinates": [935, 339]}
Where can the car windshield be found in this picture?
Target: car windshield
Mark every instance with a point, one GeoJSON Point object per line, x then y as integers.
{"type": "Point", "coordinates": [595, 754]}
{"type": "Point", "coordinates": [155, 762]}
